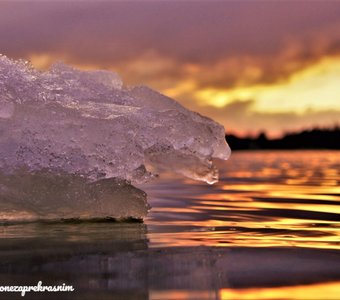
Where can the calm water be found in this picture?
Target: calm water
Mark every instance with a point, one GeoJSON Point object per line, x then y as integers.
{"type": "Point", "coordinates": [270, 229]}
{"type": "Point", "coordinates": [263, 199]}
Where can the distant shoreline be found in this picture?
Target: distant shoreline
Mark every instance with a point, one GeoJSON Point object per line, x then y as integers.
{"type": "Point", "coordinates": [327, 139]}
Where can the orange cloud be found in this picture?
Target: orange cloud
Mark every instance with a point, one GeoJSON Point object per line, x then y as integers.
{"type": "Point", "coordinates": [315, 87]}
{"type": "Point", "coordinates": [306, 98]}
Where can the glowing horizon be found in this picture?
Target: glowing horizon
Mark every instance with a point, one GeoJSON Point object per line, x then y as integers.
{"type": "Point", "coordinates": [302, 89]}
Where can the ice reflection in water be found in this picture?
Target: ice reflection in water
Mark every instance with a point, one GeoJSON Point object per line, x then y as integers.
{"type": "Point", "coordinates": [264, 198]}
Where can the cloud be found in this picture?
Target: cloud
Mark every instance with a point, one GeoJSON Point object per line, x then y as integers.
{"type": "Point", "coordinates": [239, 117]}
{"type": "Point", "coordinates": [192, 32]}
{"type": "Point", "coordinates": [224, 50]}
{"type": "Point", "coordinates": [218, 44]}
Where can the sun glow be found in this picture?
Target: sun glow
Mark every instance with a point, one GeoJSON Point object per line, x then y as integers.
{"type": "Point", "coordinates": [313, 88]}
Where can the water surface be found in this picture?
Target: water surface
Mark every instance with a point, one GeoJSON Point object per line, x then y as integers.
{"type": "Point", "coordinates": [263, 198]}
{"type": "Point", "coordinates": [268, 230]}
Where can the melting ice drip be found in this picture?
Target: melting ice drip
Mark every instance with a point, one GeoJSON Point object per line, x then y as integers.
{"type": "Point", "coordinates": [72, 141]}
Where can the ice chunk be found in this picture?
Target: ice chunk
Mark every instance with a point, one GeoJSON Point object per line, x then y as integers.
{"type": "Point", "coordinates": [6, 109]}
{"type": "Point", "coordinates": [27, 196]}
{"type": "Point", "coordinates": [86, 123]}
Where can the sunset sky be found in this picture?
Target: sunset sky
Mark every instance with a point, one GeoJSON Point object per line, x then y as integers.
{"type": "Point", "coordinates": [251, 65]}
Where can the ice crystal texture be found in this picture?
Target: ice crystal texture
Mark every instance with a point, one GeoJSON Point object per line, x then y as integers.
{"type": "Point", "coordinates": [88, 124]}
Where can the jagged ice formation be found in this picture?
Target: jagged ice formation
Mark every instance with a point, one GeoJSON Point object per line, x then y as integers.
{"type": "Point", "coordinates": [87, 124]}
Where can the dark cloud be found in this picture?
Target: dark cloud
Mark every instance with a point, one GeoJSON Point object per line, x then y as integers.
{"type": "Point", "coordinates": [105, 32]}
{"type": "Point", "coordinates": [226, 40]}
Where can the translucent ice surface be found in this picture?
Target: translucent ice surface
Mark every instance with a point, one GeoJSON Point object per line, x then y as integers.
{"type": "Point", "coordinates": [87, 124]}
{"type": "Point", "coordinates": [44, 195]}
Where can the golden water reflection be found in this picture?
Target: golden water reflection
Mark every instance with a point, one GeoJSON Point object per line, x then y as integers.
{"type": "Point", "coordinates": [268, 198]}
{"type": "Point", "coordinates": [326, 291]}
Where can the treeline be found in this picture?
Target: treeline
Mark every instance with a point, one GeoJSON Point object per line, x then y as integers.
{"type": "Point", "coordinates": [307, 139]}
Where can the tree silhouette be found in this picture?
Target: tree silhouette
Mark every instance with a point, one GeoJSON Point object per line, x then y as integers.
{"type": "Point", "coordinates": [307, 139]}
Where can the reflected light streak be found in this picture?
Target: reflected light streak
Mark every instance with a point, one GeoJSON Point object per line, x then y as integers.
{"type": "Point", "coordinates": [263, 199]}
{"type": "Point", "coordinates": [315, 291]}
